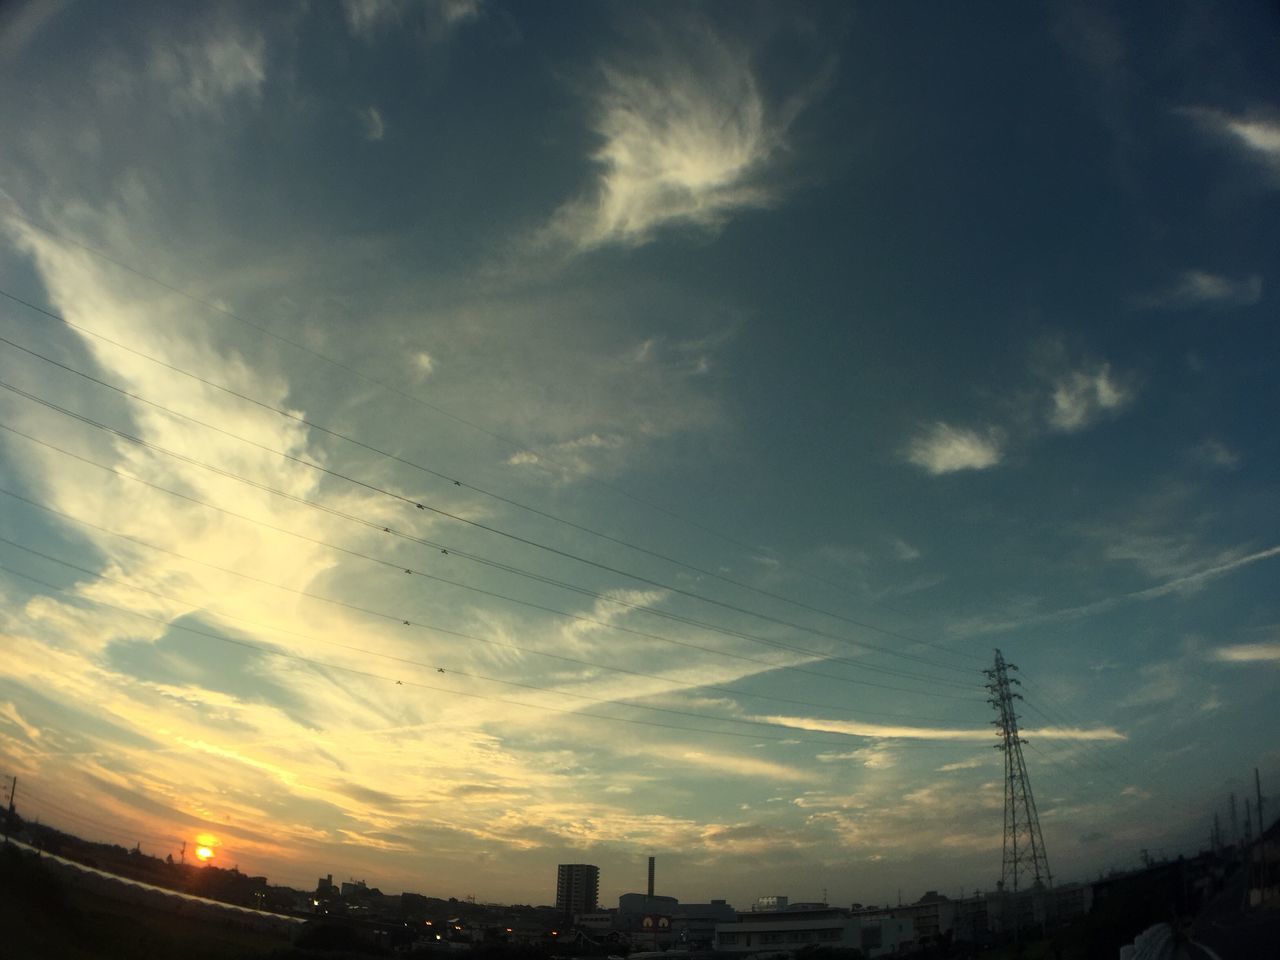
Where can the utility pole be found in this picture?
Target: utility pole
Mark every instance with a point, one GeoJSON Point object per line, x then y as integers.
{"type": "Point", "coordinates": [183, 853]}
{"type": "Point", "coordinates": [1248, 825]}
{"type": "Point", "coordinates": [1235, 822]}
{"type": "Point", "coordinates": [1262, 837]}
{"type": "Point", "coordinates": [1257, 786]}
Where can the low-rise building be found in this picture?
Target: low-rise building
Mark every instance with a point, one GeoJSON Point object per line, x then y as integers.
{"type": "Point", "coordinates": [787, 932]}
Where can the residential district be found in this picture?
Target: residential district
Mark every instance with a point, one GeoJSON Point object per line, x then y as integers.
{"type": "Point", "coordinates": [646, 922]}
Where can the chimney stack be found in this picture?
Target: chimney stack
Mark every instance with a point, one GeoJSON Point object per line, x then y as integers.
{"type": "Point", "coordinates": [651, 876]}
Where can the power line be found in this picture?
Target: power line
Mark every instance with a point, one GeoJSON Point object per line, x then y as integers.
{"type": "Point", "coordinates": [409, 501]}
{"type": "Point", "coordinates": [413, 571]}
{"type": "Point", "coordinates": [441, 411]}
{"type": "Point", "coordinates": [114, 830]}
{"type": "Point", "coordinates": [323, 665]}
{"type": "Point", "coordinates": [453, 551]}
{"type": "Point", "coordinates": [443, 630]}
{"type": "Point", "coordinates": [389, 657]}
{"type": "Point", "coordinates": [702, 571]}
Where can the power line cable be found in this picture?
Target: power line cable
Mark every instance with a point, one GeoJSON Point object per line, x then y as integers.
{"type": "Point", "coordinates": [702, 571]}
{"type": "Point", "coordinates": [444, 630]}
{"type": "Point", "coordinates": [1060, 715]}
{"type": "Point", "coordinates": [447, 550]}
{"type": "Point", "coordinates": [112, 829]}
{"type": "Point", "coordinates": [323, 665]}
{"type": "Point", "coordinates": [414, 571]}
{"type": "Point", "coordinates": [435, 408]}
{"type": "Point", "coordinates": [406, 661]}
{"type": "Point", "coordinates": [410, 501]}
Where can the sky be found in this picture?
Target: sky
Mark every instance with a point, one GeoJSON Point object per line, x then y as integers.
{"type": "Point", "coordinates": [445, 440]}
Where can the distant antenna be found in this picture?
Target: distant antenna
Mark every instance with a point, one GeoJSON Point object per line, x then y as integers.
{"type": "Point", "coordinates": [1023, 844]}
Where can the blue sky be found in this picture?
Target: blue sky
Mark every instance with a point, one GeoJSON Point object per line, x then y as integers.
{"type": "Point", "coordinates": [759, 370]}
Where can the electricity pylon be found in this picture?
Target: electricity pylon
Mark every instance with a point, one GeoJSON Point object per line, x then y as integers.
{"type": "Point", "coordinates": [1023, 845]}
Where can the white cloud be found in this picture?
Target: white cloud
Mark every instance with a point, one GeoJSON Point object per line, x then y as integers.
{"type": "Point", "coordinates": [1201, 288]}
{"type": "Point", "coordinates": [946, 449]}
{"type": "Point", "coordinates": [903, 550]}
{"type": "Point", "coordinates": [1080, 397]}
{"type": "Point", "coordinates": [9, 711]}
{"type": "Point", "coordinates": [877, 731]}
{"type": "Point", "coordinates": [424, 363]}
{"type": "Point", "coordinates": [367, 19]}
{"type": "Point", "coordinates": [876, 757]}
{"type": "Point", "coordinates": [687, 138]}
{"type": "Point", "coordinates": [202, 75]}
{"type": "Point", "coordinates": [1217, 454]}
{"type": "Point", "coordinates": [1249, 653]}
{"type": "Point", "coordinates": [970, 764]}
{"type": "Point", "coordinates": [1257, 137]}
{"type": "Point", "coordinates": [578, 457]}
{"type": "Point", "coordinates": [1196, 573]}
{"type": "Point", "coordinates": [374, 126]}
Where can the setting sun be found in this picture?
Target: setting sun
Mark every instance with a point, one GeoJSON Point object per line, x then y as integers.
{"type": "Point", "coordinates": [204, 853]}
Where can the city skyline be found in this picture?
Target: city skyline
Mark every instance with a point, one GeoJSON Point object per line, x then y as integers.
{"type": "Point", "coordinates": [442, 441]}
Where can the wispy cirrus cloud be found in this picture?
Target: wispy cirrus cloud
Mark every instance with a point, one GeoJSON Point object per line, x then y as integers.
{"type": "Point", "coordinates": [369, 19]}
{"type": "Point", "coordinates": [375, 128]}
{"type": "Point", "coordinates": [1196, 288]}
{"type": "Point", "coordinates": [204, 73]}
{"type": "Point", "coordinates": [947, 449]}
{"type": "Point", "coordinates": [1256, 136]}
{"type": "Point", "coordinates": [687, 137]}
{"type": "Point", "coordinates": [880, 731]}
{"type": "Point", "coordinates": [1268, 652]}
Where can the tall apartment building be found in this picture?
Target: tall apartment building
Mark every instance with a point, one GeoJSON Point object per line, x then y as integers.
{"type": "Point", "coordinates": [577, 888]}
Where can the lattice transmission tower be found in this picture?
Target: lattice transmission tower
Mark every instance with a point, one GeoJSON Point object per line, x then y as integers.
{"type": "Point", "coordinates": [1024, 853]}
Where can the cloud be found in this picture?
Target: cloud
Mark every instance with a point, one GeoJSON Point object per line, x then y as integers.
{"type": "Point", "coordinates": [368, 19]}
{"type": "Point", "coordinates": [970, 764]}
{"type": "Point", "coordinates": [21, 23]}
{"type": "Point", "coordinates": [1185, 583]}
{"type": "Point", "coordinates": [903, 551]}
{"type": "Point", "coordinates": [947, 449]}
{"type": "Point", "coordinates": [1200, 288]}
{"type": "Point", "coordinates": [578, 457]}
{"type": "Point", "coordinates": [1249, 653]}
{"type": "Point", "coordinates": [876, 757]}
{"type": "Point", "coordinates": [9, 711]}
{"type": "Point", "coordinates": [1080, 397]}
{"type": "Point", "coordinates": [424, 363]}
{"type": "Point", "coordinates": [374, 126]}
{"type": "Point", "coordinates": [204, 74]}
{"type": "Point", "coordinates": [1256, 137]}
{"type": "Point", "coordinates": [854, 728]}
{"type": "Point", "coordinates": [1215, 453]}
{"type": "Point", "coordinates": [687, 138]}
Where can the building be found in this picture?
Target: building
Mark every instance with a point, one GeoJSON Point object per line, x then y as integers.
{"type": "Point", "coordinates": [936, 918]}
{"type": "Point", "coordinates": [577, 888]}
{"type": "Point", "coordinates": [789, 931]}
{"type": "Point", "coordinates": [693, 925]}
